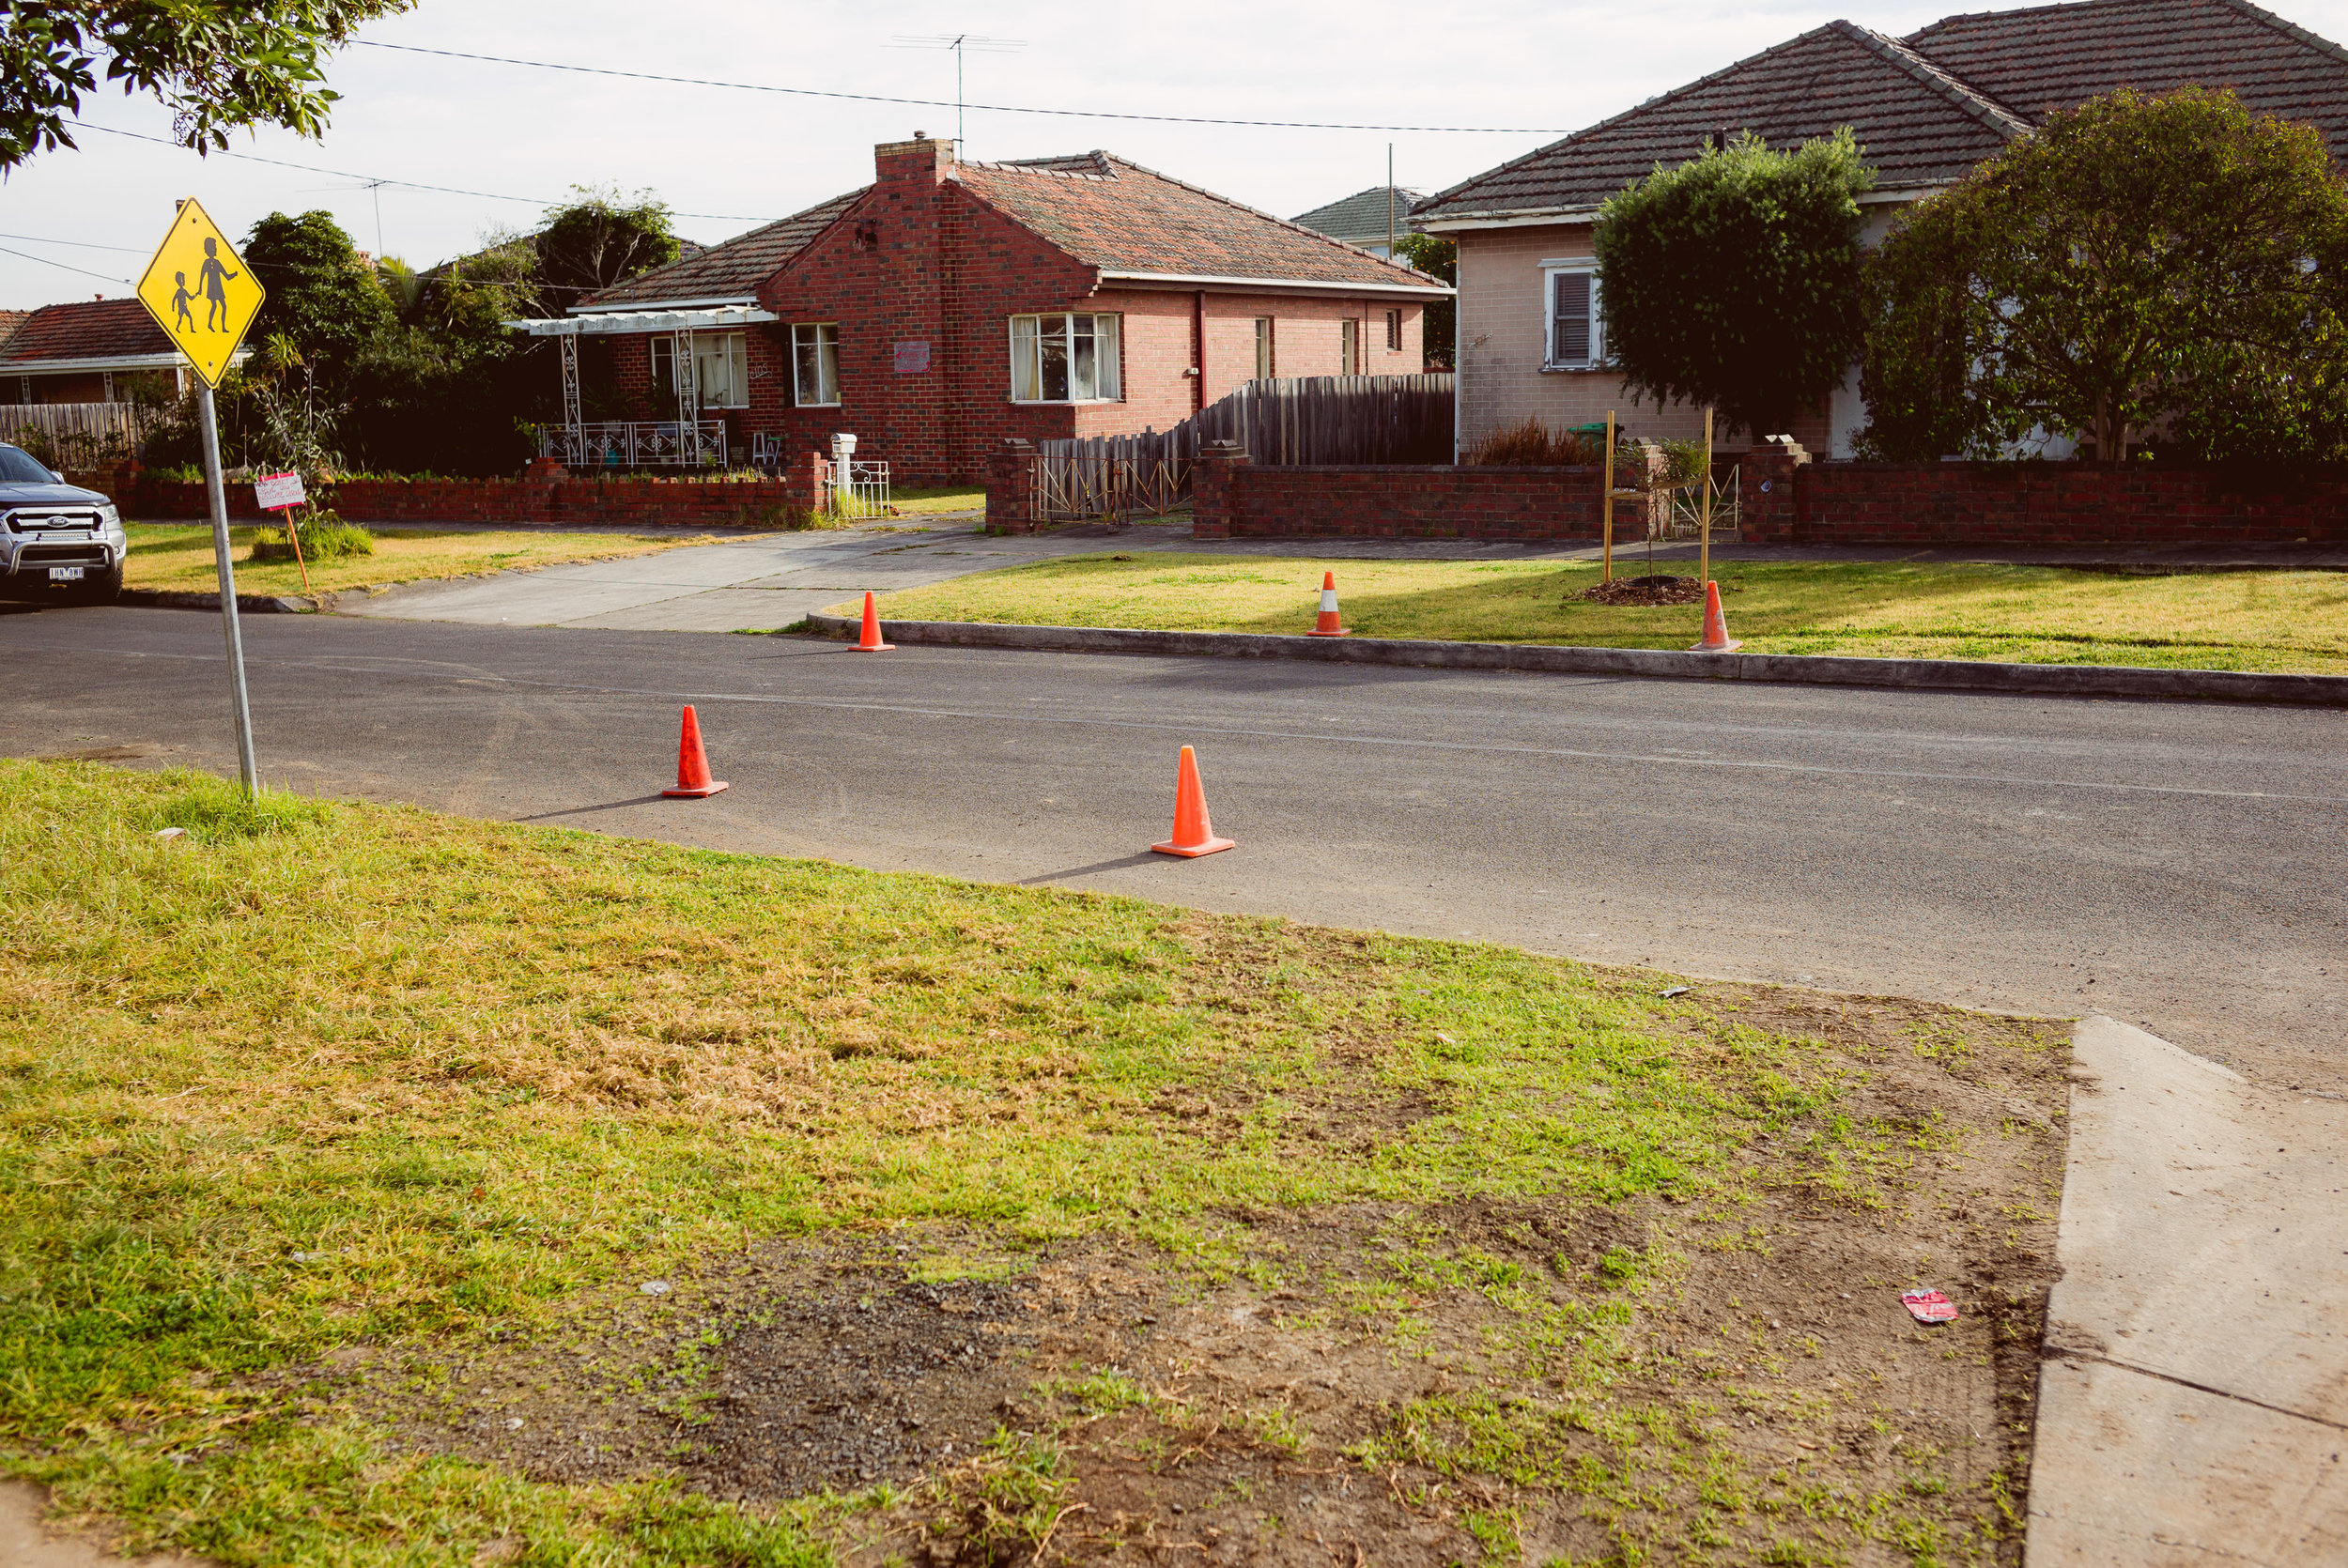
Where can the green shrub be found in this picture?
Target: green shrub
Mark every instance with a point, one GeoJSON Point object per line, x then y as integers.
{"type": "Point", "coordinates": [1533, 444]}
{"type": "Point", "coordinates": [324, 537]}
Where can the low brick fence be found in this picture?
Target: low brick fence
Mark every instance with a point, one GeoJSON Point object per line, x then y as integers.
{"type": "Point", "coordinates": [2046, 504]}
{"type": "Point", "coordinates": [1785, 499]}
{"type": "Point", "coordinates": [683, 504]}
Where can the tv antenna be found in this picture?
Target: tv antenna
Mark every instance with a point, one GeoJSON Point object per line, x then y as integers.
{"type": "Point", "coordinates": [377, 187]}
{"type": "Point", "coordinates": [958, 42]}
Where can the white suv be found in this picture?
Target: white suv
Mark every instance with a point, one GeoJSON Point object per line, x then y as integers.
{"type": "Point", "coordinates": [57, 541]}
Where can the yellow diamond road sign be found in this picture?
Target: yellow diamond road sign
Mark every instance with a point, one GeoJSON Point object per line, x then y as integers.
{"type": "Point", "coordinates": [201, 292]}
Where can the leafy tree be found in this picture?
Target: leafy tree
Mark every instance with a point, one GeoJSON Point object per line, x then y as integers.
{"type": "Point", "coordinates": [321, 298]}
{"type": "Point", "coordinates": [1438, 257]}
{"type": "Point", "coordinates": [599, 238]}
{"type": "Point", "coordinates": [218, 64]}
{"type": "Point", "coordinates": [1733, 280]}
{"type": "Point", "coordinates": [2170, 269]}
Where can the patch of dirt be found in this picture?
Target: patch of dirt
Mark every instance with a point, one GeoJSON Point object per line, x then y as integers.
{"type": "Point", "coordinates": [1410, 1385]}
{"type": "Point", "coordinates": [1645, 590]}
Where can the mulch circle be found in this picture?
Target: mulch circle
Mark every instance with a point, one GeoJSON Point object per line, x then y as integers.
{"type": "Point", "coordinates": [1645, 590]}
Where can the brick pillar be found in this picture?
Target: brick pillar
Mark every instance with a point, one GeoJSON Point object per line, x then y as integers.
{"type": "Point", "coordinates": [543, 470]}
{"type": "Point", "coordinates": [1011, 487]}
{"type": "Point", "coordinates": [1211, 480]}
{"type": "Point", "coordinates": [1767, 491]}
{"type": "Point", "coordinates": [802, 481]}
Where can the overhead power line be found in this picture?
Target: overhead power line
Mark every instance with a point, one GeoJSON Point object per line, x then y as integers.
{"type": "Point", "coordinates": [403, 184]}
{"type": "Point", "coordinates": [942, 103]}
{"type": "Point", "coordinates": [27, 256]}
{"type": "Point", "coordinates": [79, 244]}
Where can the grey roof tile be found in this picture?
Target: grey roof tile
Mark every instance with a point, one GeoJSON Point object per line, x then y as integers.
{"type": "Point", "coordinates": [1918, 125]}
{"type": "Point", "coordinates": [2058, 57]}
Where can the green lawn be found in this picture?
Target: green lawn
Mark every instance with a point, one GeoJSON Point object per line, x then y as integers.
{"type": "Point", "coordinates": [915, 502]}
{"type": "Point", "coordinates": [2259, 620]}
{"type": "Point", "coordinates": [179, 556]}
{"type": "Point", "coordinates": [326, 1075]}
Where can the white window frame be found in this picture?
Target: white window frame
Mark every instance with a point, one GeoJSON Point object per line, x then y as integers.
{"type": "Point", "coordinates": [1393, 332]}
{"type": "Point", "coordinates": [663, 347]}
{"type": "Point", "coordinates": [1551, 273]}
{"type": "Point", "coordinates": [1025, 349]}
{"type": "Point", "coordinates": [1267, 348]}
{"type": "Point", "coordinates": [1350, 347]}
{"type": "Point", "coordinates": [733, 351]}
{"type": "Point", "coordinates": [822, 334]}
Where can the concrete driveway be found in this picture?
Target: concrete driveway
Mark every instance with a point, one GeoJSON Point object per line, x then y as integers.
{"type": "Point", "coordinates": [753, 584]}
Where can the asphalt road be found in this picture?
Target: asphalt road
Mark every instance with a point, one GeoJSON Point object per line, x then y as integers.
{"type": "Point", "coordinates": [2177, 866]}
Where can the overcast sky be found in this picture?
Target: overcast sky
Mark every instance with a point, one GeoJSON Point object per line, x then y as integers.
{"type": "Point", "coordinates": [726, 160]}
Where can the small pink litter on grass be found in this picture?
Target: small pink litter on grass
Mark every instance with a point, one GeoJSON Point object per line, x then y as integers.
{"type": "Point", "coordinates": [1929, 1306]}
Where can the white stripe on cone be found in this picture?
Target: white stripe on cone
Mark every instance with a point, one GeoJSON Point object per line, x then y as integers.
{"type": "Point", "coordinates": [1328, 601]}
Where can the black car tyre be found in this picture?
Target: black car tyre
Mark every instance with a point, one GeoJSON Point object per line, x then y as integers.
{"type": "Point", "coordinates": [101, 588]}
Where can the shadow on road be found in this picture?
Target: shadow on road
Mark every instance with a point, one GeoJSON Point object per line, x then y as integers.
{"type": "Point", "coordinates": [583, 811]}
{"type": "Point", "coordinates": [1145, 858]}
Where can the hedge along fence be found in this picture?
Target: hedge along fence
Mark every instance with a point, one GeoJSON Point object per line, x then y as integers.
{"type": "Point", "coordinates": [684, 503]}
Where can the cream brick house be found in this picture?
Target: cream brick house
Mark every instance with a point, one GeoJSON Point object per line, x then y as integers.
{"type": "Point", "coordinates": [1927, 109]}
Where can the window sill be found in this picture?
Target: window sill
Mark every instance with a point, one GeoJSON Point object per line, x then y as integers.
{"type": "Point", "coordinates": [1573, 370]}
{"type": "Point", "coordinates": [1064, 402]}
{"type": "Point", "coordinates": [819, 405]}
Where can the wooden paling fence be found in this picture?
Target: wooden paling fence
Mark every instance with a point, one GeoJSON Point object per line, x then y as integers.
{"type": "Point", "coordinates": [79, 433]}
{"type": "Point", "coordinates": [1284, 420]}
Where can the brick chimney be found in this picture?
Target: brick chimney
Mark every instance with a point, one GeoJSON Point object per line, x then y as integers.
{"type": "Point", "coordinates": [920, 164]}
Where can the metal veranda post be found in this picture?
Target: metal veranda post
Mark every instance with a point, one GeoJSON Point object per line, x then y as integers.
{"type": "Point", "coordinates": [228, 573]}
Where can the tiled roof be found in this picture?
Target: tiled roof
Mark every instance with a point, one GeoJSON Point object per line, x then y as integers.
{"type": "Point", "coordinates": [1118, 216]}
{"type": "Point", "coordinates": [1361, 215]}
{"type": "Point", "coordinates": [1918, 126]}
{"type": "Point", "coordinates": [10, 322]}
{"type": "Point", "coordinates": [91, 330]}
{"type": "Point", "coordinates": [2058, 57]}
{"type": "Point", "coordinates": [1928, 108]}
{"type": "Point", "coordinates": [732, 270]}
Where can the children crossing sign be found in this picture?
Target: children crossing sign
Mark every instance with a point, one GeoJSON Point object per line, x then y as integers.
{"type": "Point", "coordinates": [200, 291]}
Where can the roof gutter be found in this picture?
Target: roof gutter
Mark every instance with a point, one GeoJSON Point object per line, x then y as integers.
{"type": "Point", "coordinates": [1539, 217]}
{"type": "Point", "coordinates": [111, 362]}
{"type": "Point", "coordinates": [662, 320]}
{"type": "Point", "coordinates": [712, 302]}
{"type": "Point", "coordinates": [1428, 290]}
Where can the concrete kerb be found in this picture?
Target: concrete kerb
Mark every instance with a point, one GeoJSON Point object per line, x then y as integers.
{"type": "Point", "coordinates": [2033, 680]}
{"type": "Point", "coordinates": [247, 604]}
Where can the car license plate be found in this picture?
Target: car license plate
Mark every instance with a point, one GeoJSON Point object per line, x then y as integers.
{"type": "Point", "coordinates": [65, 573]}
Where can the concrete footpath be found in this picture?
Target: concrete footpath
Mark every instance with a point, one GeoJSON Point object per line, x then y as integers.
{"type": "Point", "coordinates": [2193, 1401]}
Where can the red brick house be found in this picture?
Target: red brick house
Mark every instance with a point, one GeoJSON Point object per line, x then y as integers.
{"type": "Point", "coordinates": [948, 305]}
{"type": "Point", "coordinates": [92, 352]}
{"type": "Point", "coordinates": [1927, 109]}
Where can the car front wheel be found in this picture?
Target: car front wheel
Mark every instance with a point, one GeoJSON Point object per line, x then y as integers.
{"type": "Point", "coordinates": [101, 588]}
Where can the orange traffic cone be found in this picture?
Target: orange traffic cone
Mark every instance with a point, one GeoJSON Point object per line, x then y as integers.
{"type": "Point", "coordinates": [871, 643]}
{"type": "Point", "coordinates": [692, 764]}
{"type": "Point", "coordinates": [1327, 626]}
{"type": "Point", "coordinates": [1194, 835]}
{"type": "Point", "coordinates": [1716, 638]}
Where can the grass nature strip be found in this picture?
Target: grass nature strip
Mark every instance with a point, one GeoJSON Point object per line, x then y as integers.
{"type": "Point", "coordinates": [323, 1072]}
{"type": "Point", "coordinates": [2255, 621]}
{"type": "Point", "coordinates": [178, 557]}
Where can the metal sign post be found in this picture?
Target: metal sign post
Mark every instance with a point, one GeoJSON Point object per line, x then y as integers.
{"type": "Point", "coordinates": [240, 706]}
{"type": "Point", "coordinates": [228, 297]}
